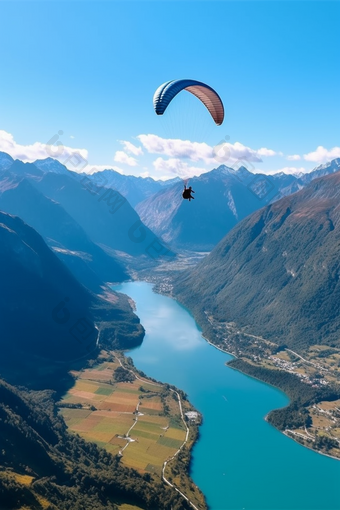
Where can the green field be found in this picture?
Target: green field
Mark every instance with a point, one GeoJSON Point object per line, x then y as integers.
{"type": "Point", "coordinates": [104, 391]}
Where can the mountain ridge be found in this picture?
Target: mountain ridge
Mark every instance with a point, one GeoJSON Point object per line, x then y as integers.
{"type": "Point", "coordinates": [89, 263]}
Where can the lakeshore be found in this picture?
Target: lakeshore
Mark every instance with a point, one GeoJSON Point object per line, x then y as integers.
{"type": "Point", "coordinates": [250, 449]}
{"type": "Point", "coordinates": [258, 357]}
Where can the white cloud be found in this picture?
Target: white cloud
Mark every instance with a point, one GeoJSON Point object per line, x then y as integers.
{"type": "Point", "coordinates": [71, 136]}
{"type": "Point", "coordinates": [122, 157]}
{"type": "Point", "coordinates": [322, 155]}
{"type": "Point", "coordinates": [268, 152]}
{"type": "Point", "coordinates": [129, 147]}
{"type": "Point", "coordinates": [223, 152]}
{"type": "Point", "coordinates": [145, 174]}
{"type": "Point", "coordinates": [236, 152]}
{"type": "Point", "coordinates": [176, 148]}
{"type": "Point", "coordinates": [294, 157]}
{"type": "Point", "coordinates": [177, 167]}
{"type": "Point", "coordinates": [54, 148]}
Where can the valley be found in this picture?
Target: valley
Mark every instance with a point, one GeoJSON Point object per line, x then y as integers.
{"type": "Point", "coordinates": [234, 438]}
{"type": "Point", "coordinates": [169, 255]}
{"type": "Point", "coordinates": [70, 261]}
{"type": "Point", "coordinates": [313, 376]}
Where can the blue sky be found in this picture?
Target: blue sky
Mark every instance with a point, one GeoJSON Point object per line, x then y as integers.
{"type": "Point", "coordinates": [89, 69]}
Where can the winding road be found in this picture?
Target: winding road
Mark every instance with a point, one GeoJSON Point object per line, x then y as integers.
{"type": "Point", "coordinates": [180, 448]}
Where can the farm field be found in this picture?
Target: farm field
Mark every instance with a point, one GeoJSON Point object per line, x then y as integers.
{"type": "Point", "coordinates": [137, 419]}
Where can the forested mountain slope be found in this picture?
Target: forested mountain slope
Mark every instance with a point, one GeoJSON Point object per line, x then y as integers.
{"type": "Point", "coordinates": [278, 270]}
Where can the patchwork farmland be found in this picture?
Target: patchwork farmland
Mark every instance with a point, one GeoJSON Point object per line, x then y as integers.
{"type": "Point", "coordinates": [139, 420]}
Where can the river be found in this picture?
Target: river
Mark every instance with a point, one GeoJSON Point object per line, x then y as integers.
{"type": "Point", "coordinates": [240, 461]}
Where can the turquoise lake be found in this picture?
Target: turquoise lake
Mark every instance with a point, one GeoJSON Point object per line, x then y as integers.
{"type": "Point", "coordinates": [240, 461]}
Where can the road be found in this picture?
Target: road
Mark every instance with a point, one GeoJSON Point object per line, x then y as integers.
{"type": "Point", "coordinates": [180, 448]}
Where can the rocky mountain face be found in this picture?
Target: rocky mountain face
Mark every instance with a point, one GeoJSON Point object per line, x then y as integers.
{"type": "Point", "coordinates": [322, 170]}
{"type": "Point", "coordinates": [5, 160]}
{"type": "Point", "coordinates": [51, 165]}
{"type": "Point", "coordinates": [134, 189]}
{"type": "Point", "coordinates": [278, 270]}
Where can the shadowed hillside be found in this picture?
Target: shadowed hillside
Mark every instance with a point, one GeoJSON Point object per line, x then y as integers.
{"type": "Point", "coordinates": [87, 261]}
{"type": "Point", "coordinates": [48, 319]}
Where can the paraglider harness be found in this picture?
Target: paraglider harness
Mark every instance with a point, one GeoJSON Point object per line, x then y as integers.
{"type": "Point", "coordinates": [187, 193]}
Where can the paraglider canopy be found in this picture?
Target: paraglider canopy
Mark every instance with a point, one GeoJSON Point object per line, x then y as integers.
{"type": "Point", "coordinates": [166, 92]}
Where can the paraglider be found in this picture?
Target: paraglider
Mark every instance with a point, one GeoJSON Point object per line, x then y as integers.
{"type": "Point", "coordinates": [187, 193]}
{"type": "Point", "coordinates": [206, 94]}
{"type": "Point", "coordinates": [209, 97]}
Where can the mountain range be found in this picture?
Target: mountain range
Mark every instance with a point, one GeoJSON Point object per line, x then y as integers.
{"type": "Point", "coordinates": [89, 263]}
{"type": "Point", "coordinates": [93, 229]}
{"type": "Point", "coordinates": [64, 236]}
{"type": "Point", "coordinates": [97, 245]}
{"type": "Point", "coordinates": [134, 189]}
{"type": "Point", "coordinates": [223, 197]}
{"type": "Point", "coordinates": [101, 205]}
